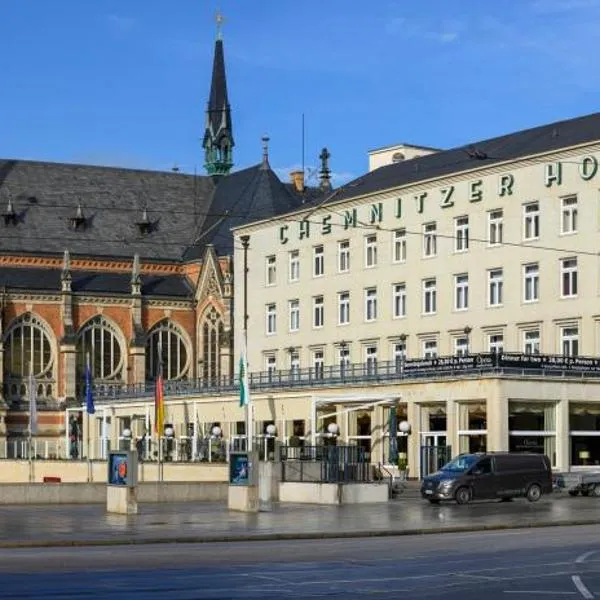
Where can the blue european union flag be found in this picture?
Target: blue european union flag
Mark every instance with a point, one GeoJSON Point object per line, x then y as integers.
{"type": "Point", "coordinates": [89, 398]}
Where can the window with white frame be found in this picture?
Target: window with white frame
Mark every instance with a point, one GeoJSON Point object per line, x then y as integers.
{"type": "Point", "coordinates": [294, 265]}
{"type": "Point", "coordinates": [531, 341]}
{"type": "Point", "coordinates": [344, 256]}
{"type": "Point", "coordinates": [495, 227]}
{"type": "Point", "coordinates": [568, 221]}
{"type": "Point", "coordinates": [318, 362]}
{"type": "Point", "coordinates": [399, 243]}
{"type": "Point", "coordinates": [531, 282]}
{"type": "Point", "coordinates": [569, 337]}
{"type": "Point", "coordinates": [461, 234]}
{"type": "Point", "coordinates": [429, 296]}
{"type": "Point", "coordinates": [430, 349]}
{"type": "Point", "coordinates": [344, 356]}
{"type": "Point", "coordinates": [295, 363]}
{"type": "Point", "coordinates": [270, 365]}
{"type": "Point", "coordinates": [343, 308]}
{"type": "Point", "coordinates": [271, 270]}
{"type": "Point", "coordinates": [495, 287]}
{"type": "Point", "coordinates": [294, 307]}
{"type": "Point", "coordinates": [429, 239]}
{"type": "Point", "coordinates": [461, 291]}
{"type": "Point", "coordinates": [318, 261]}
{"type": "Point", "coordinates": [399, 300]}
{"type": "Point", "coordinates": [371, 359]}
{"type": "Point", "coordinates": [370, 304]}
{"type": "Point", "coordinates": [271, 319]}
{"type": "Point", "coordinates": [101, 341]}
{"type": "Point", "coordinates": [568, 276]}
{"type": "Point", "coordinates": [496, 343]}
{"type": "Point", "coordinates": [370, 251]}
{"type": "Point", "coordinates": [318, 311]}
{"type": "Point", "coordinates": [531, 221]}
{"type": "Point", "coordinates": [461, 346]}
{"type": "Point", "coordinates": [399, 354]}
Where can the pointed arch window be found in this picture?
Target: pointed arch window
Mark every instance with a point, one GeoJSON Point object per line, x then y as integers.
{"type": "Point", "coordinates": [28, 345]}
{"type": "Point", "coordinates": [213, 337]}
{"type": "Point", "coordinates": [175, 351]}
{"type": "Point", "coordinates": [103, 342]}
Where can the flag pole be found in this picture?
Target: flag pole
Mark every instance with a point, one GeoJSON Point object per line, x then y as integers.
{"type": "Point", "coordinates": [32, 400]}
{"type": "Point", "coordinates": [87, 413]}
{"type": "Point", "coordinates": [245, 239]}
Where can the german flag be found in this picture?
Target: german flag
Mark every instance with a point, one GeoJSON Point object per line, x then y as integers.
{"type": "Point", "coordinates": [159, 395]}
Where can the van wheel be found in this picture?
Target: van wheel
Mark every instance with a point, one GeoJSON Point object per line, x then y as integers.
{"type": "Point", "coordinates": [463, 495]}
{"type": "Point", "coordinates": [596, 491]}
{"type": "Point", "coordinates": [534, 493]}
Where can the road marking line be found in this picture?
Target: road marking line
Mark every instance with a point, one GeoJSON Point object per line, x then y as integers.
{"type": "Point", "coordinates": [581, 587]}
{"type": "Point", "coordinates": [540, 592]}
{"type": "Point", "coordinates": [585, 556]}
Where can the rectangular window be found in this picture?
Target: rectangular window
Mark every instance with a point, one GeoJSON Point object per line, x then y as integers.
{"type": "Point", "coordinates": [430, 349]}
{"type": "Point", "coordinates": [531, 282]}
{"type": "Point", "coordinates": [531, 341]}
{"type": "Point", "coordinates": [271, 271]}
{"type": "Point", "coordinates": [429, 239]}
{"type": "Point", "coordinates": [370, 251]}
{"type": "Point", "coordinates": [568, 274]}
{"type": "Point", "coordinates": [317, 363]}
{"type": "Point", "coordinates": [461, 292]}
{"type": "Point", "coordinates": [371, 304]}
{"type": "Point", "coordinates": [399, 354]}
{"type": "Point", "coordinates": [495, 226]}
{"type": "Point", "coordinates": [318, 261]}
{"type": "Point", "coordinates": [461, 346]}
{"type": "Point", "coordinates": [294, 315]}
{"type": "Point", "coordinates": [461, 234]}
{"type": "Point", "coordinates": [496, 343]}
{"type": "Point", "coordinates": [344, 357]}
{"type": "Point", "coordinates": [496, 287]}
{"type": "Point", "coordinates": [294, 265]}
{"type": "Point", "coordinates": [570, 341]}
{"type": "Point", "coordinates": [371, 359]}
{"type": "Point", "coordinates": [568, 221]}
{"type": "Point", "coordinates": [295, 364]}
{"type": "Point", "coordinates": [531, 221]}
{"type": "Point", "coordinates": [270, 366]}
{"type": "Point", "coordinates": [271, 319]}
{"type": "Point", "coordinates": [399, 300]}
{"type": "Point", "coordinates": [318, 311]}
{"type": "Point", "coordinates": [399, 243]}
{"type": "Point", "coordinates": [344, 256]}
{"type": "Point", "coordinates": [343, 308]}
{"type": "Point", "coordinates": [429, 296]}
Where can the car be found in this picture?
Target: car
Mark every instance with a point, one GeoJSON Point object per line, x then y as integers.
{"type": "Point", "coordinates": [485, 476]}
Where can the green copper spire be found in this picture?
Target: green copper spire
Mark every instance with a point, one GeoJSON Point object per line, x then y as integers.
{"type": "Point", "coordinates": [218, 136]}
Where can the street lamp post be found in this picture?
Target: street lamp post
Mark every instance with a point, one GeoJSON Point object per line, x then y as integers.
{"type": "Point", "coordinates": [245, 239]}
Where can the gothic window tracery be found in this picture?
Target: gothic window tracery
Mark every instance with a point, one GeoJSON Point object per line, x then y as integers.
{"type": "Point", "coordinates": [213, 338]}
{"type": "Point", "coordinates": [102, 342]}
{"type": "Point", "coordinates": [28, 346]}
{"type": "Point", "coordinates": [175, 352]}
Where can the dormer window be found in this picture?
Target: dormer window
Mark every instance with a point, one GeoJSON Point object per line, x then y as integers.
{"type": "Point", "coordinates": [10, 216]}
{"type": "Point", "coordinates": [145, 225]}
{"type": "Point", "coordinates": [78, 221]}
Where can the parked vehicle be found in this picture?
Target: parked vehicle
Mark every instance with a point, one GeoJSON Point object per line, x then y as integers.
{"type": "Point", "coordinates": [485, 476]}
{"type": "Point", "coordinates": [586, 483]}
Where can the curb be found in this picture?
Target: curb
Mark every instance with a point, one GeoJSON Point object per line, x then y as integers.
{"type": "Point", "coordinates": [270, 537]}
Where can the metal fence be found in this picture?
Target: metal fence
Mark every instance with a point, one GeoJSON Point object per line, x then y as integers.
{"type": "Point", "coordinates": [325, 464]}
{"type": "Point", "coordinates": [510, 364]}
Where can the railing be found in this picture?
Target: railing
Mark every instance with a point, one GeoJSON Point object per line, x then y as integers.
{"type": "Point", "coordinates": [511, 364]}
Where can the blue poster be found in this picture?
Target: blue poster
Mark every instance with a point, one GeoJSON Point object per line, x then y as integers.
{"type": "Point", "coordinates": [239, 469]}
{"type": "Point", "coordinates": [118, 469]}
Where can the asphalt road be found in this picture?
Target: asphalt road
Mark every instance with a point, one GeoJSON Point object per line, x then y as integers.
{"type": "Point", "coordinates": [562, 562]}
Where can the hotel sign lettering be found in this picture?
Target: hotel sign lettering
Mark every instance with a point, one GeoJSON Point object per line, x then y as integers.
{"type": "Point", "coordinates": [372, 214]}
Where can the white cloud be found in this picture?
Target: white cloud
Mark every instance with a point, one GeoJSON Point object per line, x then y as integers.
{"type": "Point", "coordinates": [444, 32]}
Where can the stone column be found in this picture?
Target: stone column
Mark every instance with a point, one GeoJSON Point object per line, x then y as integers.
{"type": "Point", "coordinates": [377, 430]}
{"type": "Point", "coordinates": [563, 440]}
{"type": "Point", "coordinates": [68, 352]}
{"type": "Point", "coordinates": [452, 425]}
{"type": "Point", "coordinates": [138, 364]}
{"type": "Point", "coordinates": [497, 416]}
{"type": "Point", "coordinates": [413, 413]}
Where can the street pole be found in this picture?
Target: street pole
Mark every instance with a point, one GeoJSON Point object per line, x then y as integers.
{"type": "Point", "coordinates": [245, 239]}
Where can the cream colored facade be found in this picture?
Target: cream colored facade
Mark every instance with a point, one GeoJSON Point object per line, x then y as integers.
{"type": "Point", "coordinates": [496, 259]}
{"type": "Point", "coordinates": [380, 157]}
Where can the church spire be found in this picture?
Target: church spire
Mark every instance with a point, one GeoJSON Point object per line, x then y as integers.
{"type": "Point", "coordinates": [218, 136]}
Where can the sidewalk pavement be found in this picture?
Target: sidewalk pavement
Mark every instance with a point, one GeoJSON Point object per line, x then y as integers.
{"type": "Point", "coordinates": [82, 525]}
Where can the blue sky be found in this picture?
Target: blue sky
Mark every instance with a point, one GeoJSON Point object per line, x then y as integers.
{"type": "Point", "coordinates": [125, 83]}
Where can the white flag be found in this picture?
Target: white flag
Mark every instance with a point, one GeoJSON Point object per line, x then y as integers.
{"type": "Point", "coordinates": [33, 418]}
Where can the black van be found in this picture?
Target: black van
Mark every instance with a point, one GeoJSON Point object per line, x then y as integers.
{"type": "Point", "coordinates": [489, 475]}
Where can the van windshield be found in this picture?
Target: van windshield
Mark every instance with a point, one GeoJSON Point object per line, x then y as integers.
{"type": "Point", "coordinates": [461, 463]}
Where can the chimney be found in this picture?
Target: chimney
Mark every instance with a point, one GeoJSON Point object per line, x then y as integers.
{"type": "Point", "coordinates": [297, 178]}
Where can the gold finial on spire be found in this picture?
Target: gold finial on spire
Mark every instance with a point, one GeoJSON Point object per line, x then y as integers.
{"type": "Point", "coordinates": [220, 19]}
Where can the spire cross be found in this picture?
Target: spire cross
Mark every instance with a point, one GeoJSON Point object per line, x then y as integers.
{"type": "Point", "coordinates": [220, 19]}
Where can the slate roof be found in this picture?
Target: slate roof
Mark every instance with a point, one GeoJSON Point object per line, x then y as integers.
{"type": "Point", "coordinates": [46, 195]}
{"type": "Point", "coordinates": [546, 138]}
{"type": "Point", "coordinates": [48, 280]}
{"type": "Point", "coordinates": [249, 195]}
